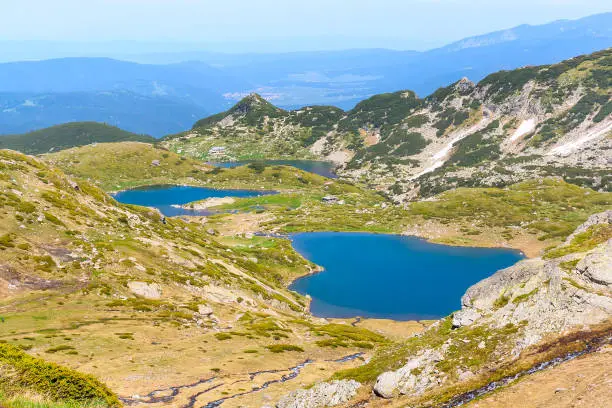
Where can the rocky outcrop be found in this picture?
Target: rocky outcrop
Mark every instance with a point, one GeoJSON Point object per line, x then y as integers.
{"type": "Point", "coordinates": [595, 219]}
{"type": "Point", "coordinates": [596, 267]}
{"type": "Point", "coordinates": [321, 395]}
{"type": "Point", "coordinates": [146, 290]}
{"type": "Point", "coordinates": [464, 86]}
{"type": "Point", "coordinates": [418, 375]}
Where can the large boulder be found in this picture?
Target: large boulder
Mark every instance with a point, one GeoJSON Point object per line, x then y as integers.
{"type": "Point", "coordinates": [597, 266]}
{"type": "Point", "coordinates": [415, 377]}
{"type": "Point", "coordinates": [321, 395]}
{"type": "Point", "coordinates": [146, 290]}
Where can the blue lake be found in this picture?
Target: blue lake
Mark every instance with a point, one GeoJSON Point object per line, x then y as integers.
{"type": "Point", "coordinates": [322, 168]}
{"type": "Point", "coordinates": [391, 276]}
{"type": "Point", "coordinates": [164, 197]}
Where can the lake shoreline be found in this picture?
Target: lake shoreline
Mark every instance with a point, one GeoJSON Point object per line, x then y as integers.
{"type": "Point", "coordinates": [405, 257]}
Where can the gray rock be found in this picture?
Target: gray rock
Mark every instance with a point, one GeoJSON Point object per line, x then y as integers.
{"type": "Point", "coordinates": [465, 317]}
{"type": "Point", "coordinates": [146, 290]}
{"type": "Point", "coordinates": [205, 310]}
{"type": "Point", "coordinates": [595, 219]}
{"type": "Point", "coordinates": [387, 384]}
{"type": "Point", "coordinates": [155, 163]}
{"type": "Point", "coordinates": [597, 266]}
{"type": "Point", "coordinates": [321, 395]}
{"type": "Point", "coordinates": [415, 377]}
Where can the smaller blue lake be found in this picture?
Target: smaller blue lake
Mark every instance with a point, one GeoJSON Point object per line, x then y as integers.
{"type": "Point", "coordinates": [391, 276]}
{"type": "Point", "coordinates": [322, 168]}
{"type": "Point", "coordinates": [164, 197]}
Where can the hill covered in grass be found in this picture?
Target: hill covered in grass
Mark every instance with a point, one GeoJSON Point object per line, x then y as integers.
{"type": "Point", "coordinates": [111, 289]}
{"type": "Point", "coordinates": [68, 135]}
{"type": "Point", "coordinates": [116, 166]}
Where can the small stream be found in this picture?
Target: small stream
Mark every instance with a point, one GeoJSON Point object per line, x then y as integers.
{"type": "Point", "coordinates": [154, 398]}
{"type": "Point", "coordinates": [167, 395]}
{"type": "Point", "coordinates": [293, 373]}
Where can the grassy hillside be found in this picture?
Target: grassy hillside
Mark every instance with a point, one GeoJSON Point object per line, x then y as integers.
{"type": "Point", "coordinates": [116, 166]}
{"type": "Point", "coordinates": [68, 135]}
{"type": "Point", "coordinates": [119, 293]}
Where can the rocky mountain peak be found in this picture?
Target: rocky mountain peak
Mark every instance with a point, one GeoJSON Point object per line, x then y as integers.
{"type": "Point", "coordinates": [464, 85]}
{"type": "Point", "coordinates": [253, 103]}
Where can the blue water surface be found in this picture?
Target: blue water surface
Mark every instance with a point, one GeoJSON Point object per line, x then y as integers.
{"type": "Point", "coordinates": [163, 197]}
{"type": "Point", "coordinates": [391, 276]}
{"type": "Point", "coordinates": [322, 168]}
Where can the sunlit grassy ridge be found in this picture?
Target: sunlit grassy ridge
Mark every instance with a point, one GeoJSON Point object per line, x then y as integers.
{"type": "Point", "coordinates": [550, 207]}
{"type": "Point", "coordinates": [116, 166]}
{"type": "Point", "coordinates": [68, 135]}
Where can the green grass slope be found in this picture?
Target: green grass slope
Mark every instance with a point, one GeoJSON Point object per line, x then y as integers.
{"type": "Point", "coordinates": [68, 135]}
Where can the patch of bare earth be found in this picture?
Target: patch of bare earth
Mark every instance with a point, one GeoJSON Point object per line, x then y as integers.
{"type": "Point", "coordinates": [451, 234]}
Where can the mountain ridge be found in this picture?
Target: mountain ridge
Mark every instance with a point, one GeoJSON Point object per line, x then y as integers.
{"type": "Point", "coordinates": [548, 120]}
{"type": "Point", "coordinates": [210, 84]}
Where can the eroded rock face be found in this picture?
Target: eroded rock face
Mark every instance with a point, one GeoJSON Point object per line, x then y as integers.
{"type": "Point", "coordinates": [595, 219]}
{"type": "Point", "coordinates": [146, 290]}
{"type": "Point", "coordinates": [597, 266]}
{"type": "Point", "coordinates": [321, 395]}
{"type": "Point", "coordinates": [418, 375]}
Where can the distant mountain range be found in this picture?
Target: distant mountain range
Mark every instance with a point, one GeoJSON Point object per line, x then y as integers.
{"type": "Point", "coordinates": [159, 94]}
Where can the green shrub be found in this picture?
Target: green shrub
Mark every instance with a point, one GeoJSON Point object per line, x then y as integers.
{"type": "Point", "coordinates": [50, 380]}
{"type": "Point", "coordinates": [281, 348]}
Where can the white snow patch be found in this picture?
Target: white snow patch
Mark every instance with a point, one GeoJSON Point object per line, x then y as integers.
{"type": "Point", "coordinates": [569, 147]}
{"type": "Point", "coordinates": [524, 128]}
{"type": "Point", "coordinates": [442, 155]}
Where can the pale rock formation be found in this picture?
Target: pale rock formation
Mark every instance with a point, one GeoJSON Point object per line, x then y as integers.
{"type": "Point", "coordinates": [146, 290]}
{"type": "Point", "coordinates": [321, 395]}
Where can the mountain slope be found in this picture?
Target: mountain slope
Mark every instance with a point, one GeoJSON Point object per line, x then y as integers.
{"type": "Point", "coordinates": [115, 289]}
{"type": "Point", "coordinates": [68, 135]}
{"type": "Point", "coordinates": [254, 129]}
{"type": "Point", "coordinates": [550, 120]}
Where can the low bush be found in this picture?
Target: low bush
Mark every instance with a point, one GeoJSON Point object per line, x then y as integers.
{"type": "Point", "coordinates": [31, 374]}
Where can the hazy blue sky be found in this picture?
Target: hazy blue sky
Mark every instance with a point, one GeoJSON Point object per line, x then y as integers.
{"type": "Point", "coordinates": [267, 24]}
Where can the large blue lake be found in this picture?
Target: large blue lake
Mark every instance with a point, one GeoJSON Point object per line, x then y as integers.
{"type": "Point", "coordinates": [164, 197]}
{"type": "Point", "coordinates": [322, 168]}
{"type": "Point", "coordinates": [391, 276]}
